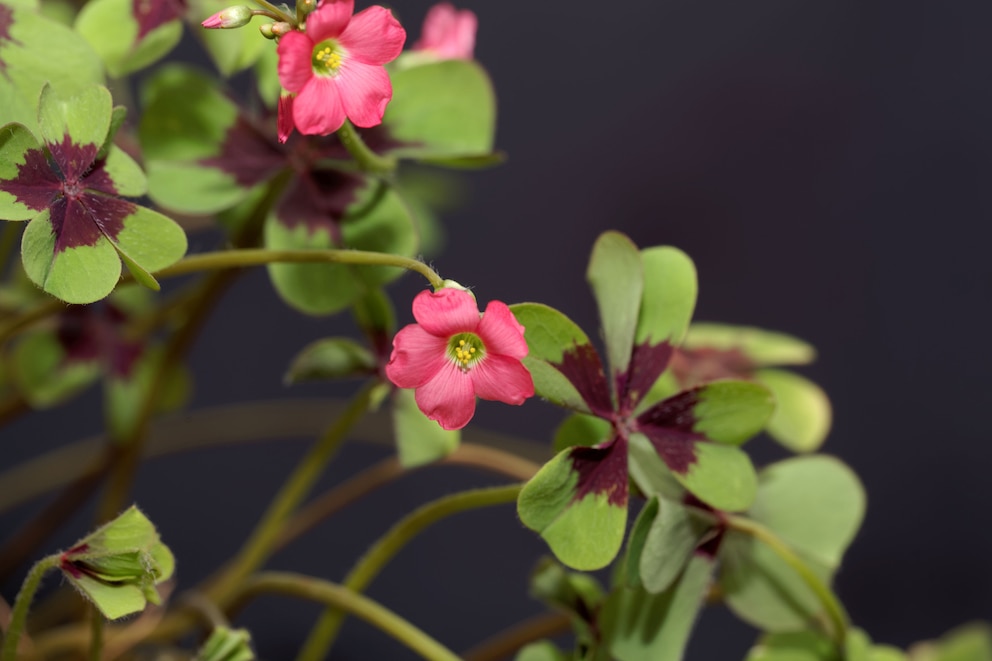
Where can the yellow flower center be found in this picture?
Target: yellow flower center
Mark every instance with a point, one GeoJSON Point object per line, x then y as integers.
{"type": "Point", "coordinates": [466, 349]}
{"type": "Point", "coordinates": [327, 58]}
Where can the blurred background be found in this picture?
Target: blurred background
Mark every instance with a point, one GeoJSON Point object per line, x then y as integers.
{"type": "Point", "coordinates": [825, 164]}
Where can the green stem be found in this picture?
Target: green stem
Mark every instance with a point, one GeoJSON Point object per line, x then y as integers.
{"type": "Point", "coordinates": [339, 597]}
{"type": "Point", "coordinates": [324, 632]}
{"type": "Point", "coordinates": [227, 259]}
{"type": "Point", "coordinates": [22, 604]}
{"type": "Point", "coordinates": [832, 606]}
{"type": "Point", "coordinates": [96, 635]}
{"type": "Point", "coordinates": [367, 159]}
{"type": "Point", "coordinates": [230, 259]}
{"type": "Point", "coordinates": [266, 535]}
{"type": "Point", "coordinates": [280, 14]}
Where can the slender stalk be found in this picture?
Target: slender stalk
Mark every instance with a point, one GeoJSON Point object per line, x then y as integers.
{"type": "Point", "coordinates": [22, 604]}
{"type": "Point", "coordinates": [341, 598]}
{"type": "Point", "coordinates": [832, 606]}
{"type": "Point", "coordinates": [37, 313]}
{"type": "Point", "coordinates": [367, 159]}
{"type": "Point", "coordinates": [227, 259]}
{"type": "Point", "coordinates": [278, 13]}
{"type": "Point", "coordinates": [324, 632]}
{"type": "Point", "coordinates": [509, 641]}
{"type": "Point", "coordinates": [266, 534]}
{"type": "Point", "coordinates": [96, 635]}
{"type": "Point", "coordinates": [387, 470]}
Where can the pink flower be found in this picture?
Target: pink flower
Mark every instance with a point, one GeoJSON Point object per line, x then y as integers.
{"type": "Point", "coordinates": [335, 67]}
{"type": "Point", "coordinates": [453, 355]}
{"type": "Point", "coordinates": [448, 33]}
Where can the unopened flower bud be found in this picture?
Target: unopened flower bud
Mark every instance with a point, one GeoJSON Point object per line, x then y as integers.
{"type": "Point", "coordinates": [279, 29]}
{"type": "Point", "coordinates": [232, 17]}
{"type": "Point", "coordinates": [266, 30]}
{"type": "Point", "coordinates": [306, 6]}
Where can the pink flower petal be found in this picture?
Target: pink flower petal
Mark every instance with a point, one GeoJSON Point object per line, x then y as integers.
{"type": "Point", "coordinates": [329, 20]}
{"type": "Point", "coordinates": [448, 398]}
{"type": "Point", "coordinates": [295, 51]}
{"type": "Point", "coordinates": [317, 109]}
{"type": "Point", "coordinates": [449, 33]}
{"type": "Point", "coordinates": [374, 36]}
{"type": "Point", "coordinates": [417, 357]}
{"type": "Point", "coordinates": [285, 124]}
{"type": "Point", "coordinates": [501, 332]}
{"type": "Point", "coordinates": [446, 312]}
{"type": "Point", "coordinates": [502, 379]}
{"type": "Point", "coordinates": [365, 92]}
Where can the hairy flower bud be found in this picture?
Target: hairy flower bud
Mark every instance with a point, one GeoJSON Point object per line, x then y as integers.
{"type": "Point", "coordinates": [232, 17]}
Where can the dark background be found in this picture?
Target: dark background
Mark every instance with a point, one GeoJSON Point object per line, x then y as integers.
{"type": "Point", "coordinates": [826, 166]}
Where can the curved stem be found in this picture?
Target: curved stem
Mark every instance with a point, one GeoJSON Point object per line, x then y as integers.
{"type": "Point", "coordinates": [339, 597]}
{"type": "Point", "coordinates": [278, 13]}
{"type": "Point", "coordinates": [227, 259]}
{"type": "Point", "coordinates": [322, 635]}
{"type": "Point", "coordinates": [266, 534]}
{"type": "Point", "coordinates": [509, 641]}
{"type": "Point", "coordinates": [832, 606]}
{"type": "Point", "coordinates": [22, 604]}
{"type": "Point", "coordinates": [367, 159]}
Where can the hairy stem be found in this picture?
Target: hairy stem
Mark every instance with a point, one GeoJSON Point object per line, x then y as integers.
{"type": "Point", "coordinates": [22, 604]}
{"type": "Point", "coordinates": [227, 259]}
{"type": "Point", "coordinates": [96, 635]}
{"type": "Point", "coordinates": [322, 635]}
{"type": "Point", "coordinates": [341, 598]}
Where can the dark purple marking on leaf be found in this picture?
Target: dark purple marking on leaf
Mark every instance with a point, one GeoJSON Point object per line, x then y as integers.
{"type": "Point", "coordinates": [36, 183]}
{"type": "Point", "coordinates": [247, 155]}
{"type": "Point", "coordinates": [669, 427]}
{"type": "Point", "coordinates": [318, 200]}
{"type": "Point", "coordinates": [76, 333]}
{"type": "Point", "coordinates": [94, 332]}
{"type": "Point", "coordinates": [83, 220]}
{"type": "Point", "coordinates": [647, 362]}
{"type": "Point", "coordinates": [150, 14]}
{"type": "Point", "coordinates": [710, 545]}
{"type": "Point", "coordinates": [602, 469]}
{"type": "Point", "coordinates": [693, 367]}
{"type": "Point", "coordinates": [582, 367]}
{"type": "Point", "coordinates": [73, 161]}
{"type": "Point", "coordinates": [6, 21]}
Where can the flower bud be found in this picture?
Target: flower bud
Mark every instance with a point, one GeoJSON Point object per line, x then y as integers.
{"type": "Point", "coordinates": [306, 6]}
{"type": "Point", "coordinates": [118, 565]}
{"type": "Point", "coordinates": [266, 30]}
{"type": "Point", "coordinates": [279, 29]}
{"type": "Point", "coordinates": [232, 17]}
{"type": "Point", "coordinates": [227, 644]}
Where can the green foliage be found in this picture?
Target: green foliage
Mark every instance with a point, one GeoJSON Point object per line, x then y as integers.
{"type": "Point", "coordinates": [584, 531]}
{"type": "Point", "coordinates": [616, 276]}
{"type": "Point", "coordinates": [814, 504]}
{"type": "Point", "coordinates": [226, 644]}
{"type": "Point", "coordinates": [638, 625]}
{"type": "Point", "coordinates": [419, 440]}
{"type": "Point", "coordinates": [118, 565]}
{"type": "Point", "coordinates": [802, 415]}
{"type": "Point", "coordinates": [112, 30]}
{"type": "Point", "coordinates": [441, 110]}
{"type": "Point", "coordinates": [35, 55]}
{"type": "Point", "coordinates": [331, 358]}
{"type": "Point", "coordinates": [670, 288]}
{"type": "Point", "coordinates": [377, 221]}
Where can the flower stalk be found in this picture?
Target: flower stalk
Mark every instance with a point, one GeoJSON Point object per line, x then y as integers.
{"type": "Point", "coordinates": [325, 631]}
{"type": "Point", "coordinates": [22, 605]}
